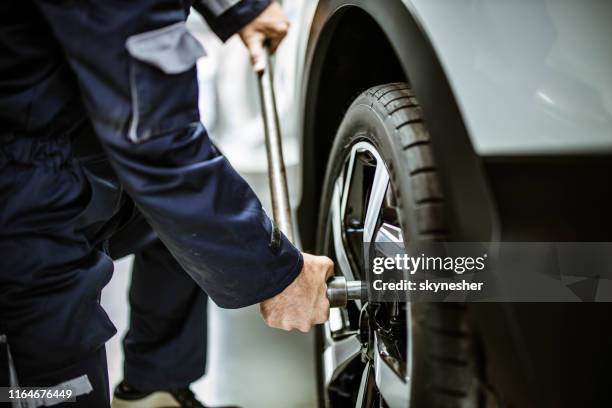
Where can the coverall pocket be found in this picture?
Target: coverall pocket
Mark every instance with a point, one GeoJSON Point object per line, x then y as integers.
{"type": "Point", "coordinates": [163, 81]}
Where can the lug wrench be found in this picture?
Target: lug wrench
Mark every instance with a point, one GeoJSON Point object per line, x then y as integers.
{"type": "Point", "coordinates": [339, 291]}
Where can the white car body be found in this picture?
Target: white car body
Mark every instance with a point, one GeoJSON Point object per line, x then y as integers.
{"type": "Point", "coordinates": [530, 78]}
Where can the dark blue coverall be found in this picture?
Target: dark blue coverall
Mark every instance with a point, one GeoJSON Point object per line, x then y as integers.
{"type": "Point", "coordinates": [83, 84]}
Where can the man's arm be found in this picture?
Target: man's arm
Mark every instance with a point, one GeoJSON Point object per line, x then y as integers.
{"type": "Point", "coordinates": [135, 65]}
{"type": "Point", "coordinates": [268, 28]}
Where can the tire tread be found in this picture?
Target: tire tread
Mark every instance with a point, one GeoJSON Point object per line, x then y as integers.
{"type": "Point", "coordinates": [449, 363]}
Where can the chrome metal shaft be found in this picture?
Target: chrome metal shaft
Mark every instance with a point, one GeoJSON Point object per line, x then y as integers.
{"type": "Point", "coordinates": [339, 291]}
{"type": "Point", "coordinates": [281, 207]}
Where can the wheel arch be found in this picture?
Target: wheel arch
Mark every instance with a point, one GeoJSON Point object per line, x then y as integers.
{"type": "Point", "coordinates": [356, 44]}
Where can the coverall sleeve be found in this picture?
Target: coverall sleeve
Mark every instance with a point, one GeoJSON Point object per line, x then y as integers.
{"type": "Point", "coordinates": [135, 66]}
{"type": "Point", "coordinates": [227, 17]}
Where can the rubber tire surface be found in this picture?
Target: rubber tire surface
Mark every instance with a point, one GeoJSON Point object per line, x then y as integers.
{"type": "Point", "coordinates": [444, 360]}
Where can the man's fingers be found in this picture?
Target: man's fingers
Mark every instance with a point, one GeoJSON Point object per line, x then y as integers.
{"type": "Point", "coordinates": [323, 314]}
{"type": "Point", "coordinates": [275, 33]}
{"type": "Point", "coordinates": [272, 26]}
{"type": "Point", "coordinates": [256, 51]}
{"type": "Point", "coordinates": [329, 269]}
{"type": "Point", "coordinates": [273, 45]}
{"type": "Point", "coordinates": [303, 304]}
{"type": "Point", "coordinates": [277, 38]}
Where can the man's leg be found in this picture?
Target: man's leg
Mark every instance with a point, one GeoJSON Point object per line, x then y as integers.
{"type": "Point", "coordinates": [165, 347]}
{"type": "Point", "coordinates": [51, 273]}
{"type": "Point", "coordinates": [89, 377]}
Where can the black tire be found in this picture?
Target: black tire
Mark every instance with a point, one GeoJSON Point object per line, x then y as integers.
{"type": "Point", "coordinates": [444, 360]}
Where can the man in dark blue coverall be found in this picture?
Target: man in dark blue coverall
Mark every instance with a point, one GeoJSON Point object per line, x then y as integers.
{"type": "Point", "coordinates": [101, 140]}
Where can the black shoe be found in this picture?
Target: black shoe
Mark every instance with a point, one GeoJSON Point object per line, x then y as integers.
{"type": "Point", "coordinates": [128, 397]}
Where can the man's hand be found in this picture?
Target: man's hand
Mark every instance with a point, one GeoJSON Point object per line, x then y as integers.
{"type": "Point", "coordinates": [304, 303]}
{"type": "Point", "coordinates": [270, 26]}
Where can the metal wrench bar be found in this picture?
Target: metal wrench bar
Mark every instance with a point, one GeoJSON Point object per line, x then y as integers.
{"type": "Point", "coordinates": [339, 291]}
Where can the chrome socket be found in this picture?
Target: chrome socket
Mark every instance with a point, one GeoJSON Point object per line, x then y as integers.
{"type": "Point", "coordinates": [340, 291]}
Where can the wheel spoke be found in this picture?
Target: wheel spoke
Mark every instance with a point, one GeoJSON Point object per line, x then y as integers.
{"type": "Point", "coordinates": [388, 233]}
{"type": "Point", "coordinates": [366, 388]}
{"type": "Point", "coordinates": [377, 195]}
{"type": "Point", "coordinates": [338, 355]}
{"type": "Point", "coordinates": [336, 322]}
{"type": "Point", "coordinates": [393, 388]}
{"type": "Point", "coordinates": [348, 178]}
{"type": "Point", "coordinates": [337, 230]}
{"type": "Point", "coordinates": [389, 240]}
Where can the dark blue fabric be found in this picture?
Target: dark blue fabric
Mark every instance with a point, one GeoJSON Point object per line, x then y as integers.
{"type": "Point", "coordinates": [94, 366]}
{"type": "Point", "coordinates": [49, 296]}
{"type": "Point", "coordinates": [52, 269]}
{"type": "Point", "coordinates": [201, 209]}
{"type": "Point", "coordinates": [33, 71]}
{"type": "Point", "coordinates": [230, 22]}
{"type": "Point", "coordinates": [66, 81]}
{"type": "Point", "coordinates": [165, 346]}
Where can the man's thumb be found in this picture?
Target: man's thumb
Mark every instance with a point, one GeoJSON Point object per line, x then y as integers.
{"type": "Point", "coordinates": [256, 52]}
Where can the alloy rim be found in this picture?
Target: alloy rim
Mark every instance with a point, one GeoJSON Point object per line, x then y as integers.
{"type": "Point", "coordinates": [366, 346]}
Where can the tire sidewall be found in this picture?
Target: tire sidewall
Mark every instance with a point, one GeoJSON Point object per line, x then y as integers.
{"type": "Point", "coordinates": [368, 120]}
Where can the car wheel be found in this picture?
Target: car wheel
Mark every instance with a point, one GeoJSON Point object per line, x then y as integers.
{"type": "Point", "coordinates": [382, 185]}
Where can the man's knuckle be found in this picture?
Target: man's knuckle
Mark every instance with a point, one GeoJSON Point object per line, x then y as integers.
{"type": "Point", "coordinates": [324, 317]}
{"type": "Point", "coordinates": [273, 322]}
